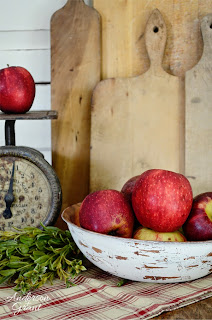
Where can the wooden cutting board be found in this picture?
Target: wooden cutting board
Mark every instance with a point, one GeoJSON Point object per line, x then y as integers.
{"type": "Point", "coordinates": [75, 70]}
{"type": "Point", "coordinates": [198, 142]}
{"type": "Point", "coordinates": [136, 123]}
{"type": "Point", "coordinates": [123, 45]}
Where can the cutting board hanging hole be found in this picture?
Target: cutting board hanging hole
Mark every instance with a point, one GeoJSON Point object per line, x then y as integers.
{"type": "Point", "coordinates": [155, 39]}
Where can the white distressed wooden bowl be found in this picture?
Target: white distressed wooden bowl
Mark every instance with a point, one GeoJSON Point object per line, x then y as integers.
{"type": "Point", "coordinates": [138, 260]}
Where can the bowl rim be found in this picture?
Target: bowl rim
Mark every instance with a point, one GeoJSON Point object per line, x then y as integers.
{"type": "Point", "coordinates": [98, 234]}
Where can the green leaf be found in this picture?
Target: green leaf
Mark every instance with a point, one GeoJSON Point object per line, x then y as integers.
{"type": "Point", "coordinates": [17, 264]}
{"type": "Point", "coordinates": [41, 244]}
{"type": "Point", "coordinates": [55, 241]}
{"type": "Point", "coordinates": [40, 269]}
{"type": "Point", "coordinates": [55, 250]}
{"type": "Point", "coordinates": [71, 284]}
{"type": "Point", "coordinates": [51, 229]}
{"type": "Point", "coordinates": [29, 230]}
{"type": "Point", "coordinates": [68, 261]}
{"type": "Point", "coordinates": [31, 256]}
{"type": "Point", "coordinates": [42, 259]}
{"type": "Point", "coordinates": [3, 262]}
{"type": "Point", "coordinates": [67, 233]}
{"type": "Point", "coordinates": [22, 286]}
{"type": "Point", "coordinates": [26, 269]}
{"type": "Point", "coordinates": [57, 263]}
{"type": "Point", "coordinates": [24, 248]}
{"type": "Point", "coordinates": [28, 274]}
{"type": "Point", "coordinates": [34, 279]}
{"type": "Point", "coordinates": [121, 282]}
{"type": "Point", "coordinates": [51, 276]}
{"type": "Point", "coordinates": [8, 243]}
{"type": "Point", "coordinates": [43, 237]}
{"type": "Point", "coordinates": [37, 254]}
{"type": "Point", "coordinates": [26, 240]}
{"type": "Point", "coordinates": [7, 234]}
{"type": "Point", "coordinates": [4, 245]}
{"type": "Point", "coordinates": [14, 258]}
{"type": "Point", "coordinates": [8, 272]}
{"type": "Point", "coordinates": [5, 279]}
{"type": "Point", "coordinates": [9, 251]}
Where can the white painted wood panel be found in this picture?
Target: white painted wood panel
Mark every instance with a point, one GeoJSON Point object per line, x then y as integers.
{"type": "Point", "coordinates": [37, 62]}
{"type": "Point", "coordinates": [29, 15]}
{"type": "Point", "coordinates": [21, 40]}
{"type": "Point", "coordinates": [31, 130]}
{"type": "Point", "coordinates": [47, 155]}
{"type": "Point", "coordinates": [42, 99]}
{"type": "Point", "coordinates": [26, 14]}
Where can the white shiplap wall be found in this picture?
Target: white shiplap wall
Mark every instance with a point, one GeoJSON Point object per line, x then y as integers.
{"type": "Point", "coordinates": [25, 41]}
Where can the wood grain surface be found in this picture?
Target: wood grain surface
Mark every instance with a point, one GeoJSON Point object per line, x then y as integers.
{"type": "Point", "coordinates": [123, 23]}
{"type": "Point", "coordinates": [75, 70]}
{"type": "Point", "coordinates": [31, 115]}
{"type": "Point", "coordinates": [198, 87]}
{"type": "Point", "coordinates": [134, 127]}
{"type": "Point", "coordinates": [199, 310]}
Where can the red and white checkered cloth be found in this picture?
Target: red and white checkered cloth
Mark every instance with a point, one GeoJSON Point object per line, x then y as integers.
{"type": "Point", "coordinates": [97, 297]}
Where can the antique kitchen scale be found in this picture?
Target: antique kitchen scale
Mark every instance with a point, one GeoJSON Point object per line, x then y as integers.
{"type": "Point", "coordinates": [30, 191]}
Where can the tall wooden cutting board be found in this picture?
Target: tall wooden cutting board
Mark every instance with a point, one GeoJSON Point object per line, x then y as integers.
{"type": "Point", "coordinates": [136, 122]}
{"type": "Point", "coordinates": [198, 142]}
{"type": "Point", "coordinates": [75, 70]}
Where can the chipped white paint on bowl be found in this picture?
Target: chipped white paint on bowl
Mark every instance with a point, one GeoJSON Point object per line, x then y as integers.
{"type": "Point", "coordinates": [138, 260]}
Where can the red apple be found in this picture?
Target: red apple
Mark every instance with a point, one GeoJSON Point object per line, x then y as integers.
{"type": "Point", "coordinates": [108, 212]}
{"type": "Point", "coordinates": [162, 200]}
{"type": "Point", "coordinates": [147, 234]}
{"type": "Point", "coordinates": [17, 90]}
{"type": "Point", "coordinates": [198, 226]}
{"type": "Point", "coordinates": [127, 190]}
{"type": "Point", "coordinates": [128, 187]}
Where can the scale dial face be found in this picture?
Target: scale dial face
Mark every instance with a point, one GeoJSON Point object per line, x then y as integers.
{"type": "Point", "coordinates": [29, 193]}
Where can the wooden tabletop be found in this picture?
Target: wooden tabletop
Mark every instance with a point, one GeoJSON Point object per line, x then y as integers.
{"type": "Point", "coordinates": [199, 310]}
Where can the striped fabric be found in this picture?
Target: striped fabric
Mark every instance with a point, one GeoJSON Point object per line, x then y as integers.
{"type": "Point", "coordinates": [96, 296]}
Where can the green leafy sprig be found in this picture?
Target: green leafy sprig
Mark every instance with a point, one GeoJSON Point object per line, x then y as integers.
{"type": "Point", "coordinates": [30, 257]}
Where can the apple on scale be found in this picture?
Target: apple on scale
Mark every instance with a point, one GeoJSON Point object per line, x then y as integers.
{"type": "Point", "coordinates": [17, 90]}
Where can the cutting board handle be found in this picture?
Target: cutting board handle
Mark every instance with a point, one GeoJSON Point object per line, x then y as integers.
{"type": "Point", "coordinates": [206, 29]}
{"type": "Point", "coordinates": [70, 2]}
{"type": "Point", "coordinates": [155, 38]}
